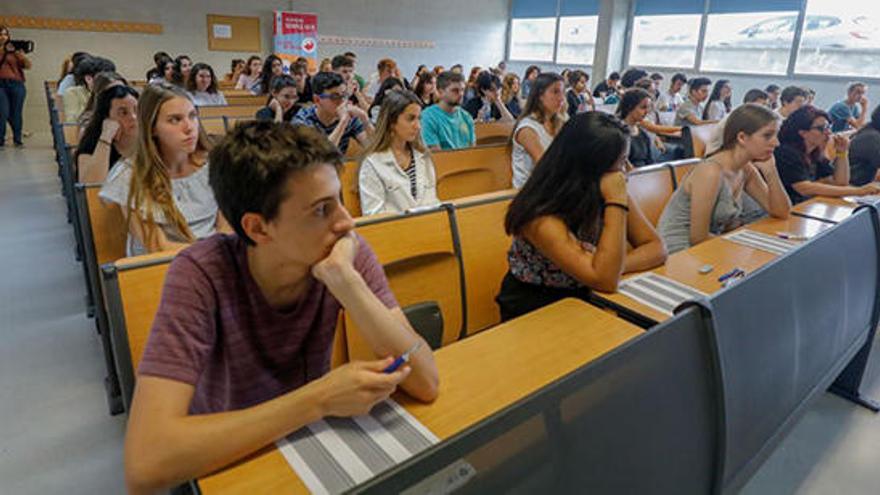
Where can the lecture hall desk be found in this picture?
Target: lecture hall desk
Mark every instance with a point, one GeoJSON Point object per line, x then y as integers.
{"type": "Point", "coordinates": [684, 266]}
{"type": "Point", "coordinates": [478, 376]}
{"type": "Point", "coordinates": [824, 208]}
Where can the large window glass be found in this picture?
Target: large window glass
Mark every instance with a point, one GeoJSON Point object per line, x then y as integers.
{"type": "Point", "coordinates": [665, 40]}
{"type": "Point", "coordinates": [749, 42]}
{"type": "Point", "coordinates": [532, 39]}
{"type": "Point", "coordinates": [840, 38]}
{"type": "Point", "coordinates": [577, 40]}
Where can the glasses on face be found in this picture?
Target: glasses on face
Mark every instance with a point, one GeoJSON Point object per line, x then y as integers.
{"type": "Point", "coordinates": [821, 128]}
{"type": "Point", "coordinates": [332, 96]}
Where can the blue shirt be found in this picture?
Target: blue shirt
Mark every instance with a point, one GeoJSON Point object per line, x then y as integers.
{"type": "Point", "coordinates": [840, 112]}
{"type": "Point", "coordinates": [448, 131]}
{"type": "Point", "coordinates": [309, 116]}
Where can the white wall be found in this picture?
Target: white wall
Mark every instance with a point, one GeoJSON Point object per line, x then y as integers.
{"type": "Point", "coordinates": [466, 32]}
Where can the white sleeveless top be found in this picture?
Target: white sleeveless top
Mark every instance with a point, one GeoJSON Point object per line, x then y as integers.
{"type": "Point", "coordinates": [521, 161]}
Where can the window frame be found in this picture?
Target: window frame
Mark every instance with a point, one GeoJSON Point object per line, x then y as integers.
{"type": "Point", "coordinates": [555, 59]}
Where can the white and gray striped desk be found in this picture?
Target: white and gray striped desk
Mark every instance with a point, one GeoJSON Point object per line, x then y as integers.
{"type": "Point", "coordinates": [722, 254]}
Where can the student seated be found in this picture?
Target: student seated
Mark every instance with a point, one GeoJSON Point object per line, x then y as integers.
{"type": "Point", "coordinates": [272, 67]}
{"type": "Point", "coordinates": [772, 91]}
{"type": "Point", "coordinates": [182, 70]}
{"type": "Point", "coordinates": [164, 70]}
{"type": "Point", "coordinates": [299, 71]}
{"type": "Point", "coordinates": [577, 95]}
{"type": "Point", "coordinates": [163, 191]}
{"type": "Point", "coordinates": [283, 104]}
{"type": "Point", "coordinates": [235, 70]}
{"type": "Point", "coordinates": [803, 167]}
{"type": "Point", "coordinates": [852, 111]}
{"type": "Point", "coordinates": [76, 98]}
{"type": "Point", "coordinates": [344, 66]}
{"type": "Point", "coordinates": [397, 173]}
{"type": "Point", "coordinates": [445, 125]}
{"type": "Point", "coordinates": [385, 68]}
{"type": "Point", "coordinates": [719, 104]}
{"type": "Point", "coordinates": [112, 134]}
{"type": "Point", "coordinates": [635, 104]}
{"type": "Point", "coordinates": [388, 85]}
{"type": "Point", "coordinates": [671, 99]}
{"type": "Point", "coordinates": [573, 218]}
{"type": "Point", "coordinates": [333, 115]}
{"type": "Point", "coordinates": [486, 105]}
{"type": "Point", "coordinates": [239, 352]}
{"type": "Point", "coordinates": [102, 81]}
{"type": "Point", "coordinates": [532, 73]}
{"type": "Point", "coordinates": [757, 96]}
{"type": "Point", "coordinates": [540, 122]}
{"type": "Point", "coordinates": [864, 152]}
{"type": "Point", "coordinates": [510, 89]}
{"type": "Point", "coordinates": [202, 86]}
{"type": "Point", "coordinates": [426, 89]}
{"type": "Point", "coordinates": [690, 112]}
{"type": "Point", "coordinates": [710, 199]}
{"type": "Point", "coordinates": [791, 98]}
{"type": "Point", "coordinates": [607, 87]}
{"type": "Point", "coordinates": [250, 76]}
{"type": "Point", "coordinates": [68, 80]}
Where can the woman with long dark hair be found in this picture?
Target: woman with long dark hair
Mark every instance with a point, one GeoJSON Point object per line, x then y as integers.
{"type": "Point", "coordinates": [634, 106]}
{"type": "Point", "coordinates": [719, 104]}
{"type": "Point", "coordinates": [387, 86]}
{"type": "Point", "coordinates": [572, 219]}
{"type": "Point", "coordinates": [426, 89]}
{"type": "Point", "coordinates": [13, 63]}
{"type": "Point", "coordinates": [801, 160]}
{"type": "Point", "coordinates": [272, 67]}
{"type": "Point", "coordinates": [538, 124]}
{"type": "Point", "coordinates": [202, 86]}
{"type": "Point", "coordinates": [111, 134]}
{"type": "Point", "coordinates": [250, 76]}
{"type": "Point", "coordinates": [864, 152]}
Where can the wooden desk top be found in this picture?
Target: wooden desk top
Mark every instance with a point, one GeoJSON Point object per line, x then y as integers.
{"type": "Point", "coordinates": [832, 210]}
{"type": "Point", "coordinates": [723, 255]}
{"type": "Point", "coordinates": [478, 376]}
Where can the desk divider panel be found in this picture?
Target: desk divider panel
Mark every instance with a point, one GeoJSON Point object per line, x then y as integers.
{"type": "Point", "coordinates": [644, 418]}
{"type": "Point", "coordinates": [785, 333]}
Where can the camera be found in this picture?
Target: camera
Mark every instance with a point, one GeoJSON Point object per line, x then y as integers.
{"type": "Point", "coordinates": [23, 45]}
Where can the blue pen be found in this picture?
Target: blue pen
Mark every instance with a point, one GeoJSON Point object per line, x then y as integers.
{"type": "Point", "coordinates": [732, 273]}
{"type": "Point", "coordinates": [404, 358]}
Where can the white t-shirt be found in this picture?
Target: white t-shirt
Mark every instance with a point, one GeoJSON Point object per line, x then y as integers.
{"type": "Point", "coordinates": [717, 110]}
{"type": "Point", "coordinates": [521, 161]}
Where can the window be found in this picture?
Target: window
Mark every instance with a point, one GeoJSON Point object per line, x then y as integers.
{"type": "Point", "coordinates": [578, 27]}
{"type": "Point", "coordinates": [532, 39]}
{"type": "Point", "coordinates": [532, 30]}
{"type": "Point", "coordinates": [665, 33]}
{"type": "Point", "coordinates": [840, 37]}
{"type": "Point", "coordinates": [750, 35]}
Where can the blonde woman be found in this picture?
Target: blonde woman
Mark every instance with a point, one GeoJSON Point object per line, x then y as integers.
{"type": "Point", "coordinates": [510, 94]}
{"type": "Point", "coordinates": [163, 191]}
{"type": "Point", "coordinates": [397, 173]}
{"type": "Point", "coordinates": [541, 120]}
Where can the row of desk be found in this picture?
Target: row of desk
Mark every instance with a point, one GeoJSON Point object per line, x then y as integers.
{"type": "Point", "coordinates": [492, 370]}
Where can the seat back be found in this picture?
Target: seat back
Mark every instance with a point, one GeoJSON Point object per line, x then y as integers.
{"type": "Point", "coordinates": [484, 245]}
{"type": "Point", "coordinates": [641, 419]}
{"type": "Point", "coordinates": [680, 168]}
{"type": "Point", "coordinates": [785, 333]}
{"type": "Point", "coordinates": [106, 225]}
{"type": "Point", "coordinates": [250, 100]}
{"type": "Point", "coordinates": [651, 187]}
{"type": "Point", "coordinates": [231, 110]}
{"type": "Point", "coordinates": [493, 132]}
{"type": "Point", "coordinates": [423, 264]}
{"type": "Point", "coordinates": [348, 183]}
{"type": "Point", "coordinates": [472, 171]}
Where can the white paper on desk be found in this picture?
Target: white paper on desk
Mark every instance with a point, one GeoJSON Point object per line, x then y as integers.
{"type": "Point", "coordinates": [759, 240]}
{"type": "Point", "coordinates": [658, 292]}
{"type": "Point", "coordinates": [336, 454]}
{"type": "Point", "coordinates": [863, 200]}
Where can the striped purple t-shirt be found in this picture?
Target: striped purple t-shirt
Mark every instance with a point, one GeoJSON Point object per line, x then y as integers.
{"type": "Point", "coordinates": [214, 329]}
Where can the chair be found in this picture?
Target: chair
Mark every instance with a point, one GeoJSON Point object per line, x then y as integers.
{"type": "Point", "coordinates": [493, 132]}
{"type": "Point", "coordinates": [472, 171]}
{"type": "Point", "coordinates": [423, 264]}
{"type": "Point", "coordinates": [680, 168]}
{"type": "Point", "coordinates": [484, 245]}
{"type": "Point", "coordinates": [651, 187]}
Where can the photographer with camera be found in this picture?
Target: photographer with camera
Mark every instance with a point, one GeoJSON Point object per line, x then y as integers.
{"type": "Point", "coordinates": [13, 63]}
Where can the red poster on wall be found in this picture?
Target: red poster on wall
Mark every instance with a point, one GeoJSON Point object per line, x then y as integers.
{"type": "Point", "coordinates": [296, 35]}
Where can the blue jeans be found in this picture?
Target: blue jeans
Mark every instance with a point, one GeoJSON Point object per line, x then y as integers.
{"type": "Point", "coordinates": [12, 95]}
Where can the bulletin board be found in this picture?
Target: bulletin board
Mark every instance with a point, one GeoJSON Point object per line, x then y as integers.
{"type": "Point", "coordinates": [234, 33]}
